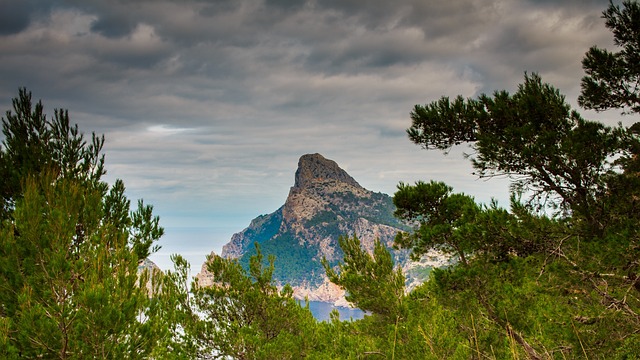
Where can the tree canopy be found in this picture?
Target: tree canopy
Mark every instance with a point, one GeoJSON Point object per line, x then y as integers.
{"type": "Point", "coordinates": [534, 138]}
{"type": "Point", "coordinates": [561, 284]}
{"type": "Point", "coordinates": [612, 79]}
{"type": "Point", "coordinates": [34, 144]}
{"type": "Point", "coordinates": [70, 246]}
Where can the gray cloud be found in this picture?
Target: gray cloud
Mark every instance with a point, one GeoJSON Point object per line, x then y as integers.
{"type": "Point", "coordinates": [14, 17]}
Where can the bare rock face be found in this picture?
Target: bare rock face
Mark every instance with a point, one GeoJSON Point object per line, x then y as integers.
{"type": "Point", "coordinates": [259, 229]}
{"type": "Point", "coordinates": [323, 204]}
{"type": "Point", "coordinates": [152, 270]}
{"type": "Point", "coordinates": [315, 168]}
{"type": "Point", "coordinates": [325, 292]}
{"type": "Point", "coordinates": [204, 277]}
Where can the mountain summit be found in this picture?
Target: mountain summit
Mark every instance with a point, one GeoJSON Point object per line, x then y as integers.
{"type": "Point", "coordinates": [324, 203]}
{"type": "Point", "coordinates": [315, 168]}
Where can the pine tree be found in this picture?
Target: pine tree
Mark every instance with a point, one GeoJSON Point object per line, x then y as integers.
{"type": "Point", "coordinates": [245, 316]}
{"type": "Point", "coordinates": [69, 247]}
{"type": "Point", "coordinates": [612, 79]}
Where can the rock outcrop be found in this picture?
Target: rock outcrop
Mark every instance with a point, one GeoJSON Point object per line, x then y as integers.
{"type": "Point", "coordinates": [324, 203]}
{"type": "Point", "coordinates": [152, 269]}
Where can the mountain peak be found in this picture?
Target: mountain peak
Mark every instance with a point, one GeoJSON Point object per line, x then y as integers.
{"type": "Point", "coordinates": [324, 204]}
{"type": "Point", "coordinates": [313, 168]}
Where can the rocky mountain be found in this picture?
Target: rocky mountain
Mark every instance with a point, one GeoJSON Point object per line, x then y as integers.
{"type": "Point", "coordinates": [324, 203]}
{"type": "Point", "coordinates": [153, 269]}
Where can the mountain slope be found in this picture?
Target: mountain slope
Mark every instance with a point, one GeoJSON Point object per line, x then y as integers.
{"type": "Point", "coordinates": [324, 204]}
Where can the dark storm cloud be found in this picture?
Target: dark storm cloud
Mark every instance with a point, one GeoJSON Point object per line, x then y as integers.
{"type": "Point", "coordinates": [286, 5]}
{"type": "Point", "coordinates": [17, 15]}
{"type": "Point", "coordinates": [14, 16]}
{"type": "Point", "coordinates": [114, 26]}
{"type": "Point", "coordinates": [574, 4]}
{"type": "Point", "coordinates": [252, 52]}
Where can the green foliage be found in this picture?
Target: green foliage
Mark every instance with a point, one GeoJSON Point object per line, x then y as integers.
{"type": "Point", "coordinates": [245, 316]}
{"type": "Point", "coordinates": [63, 297]}
{"type": "Point", "coordinates": [612, 78]}
{"type": "Point", "coordinates": [443, 219]}
{"type": "Point", "coordinates": [371, 282]}
{"type": "Point", "coordinates": [342, 340]}
{"type": "Point", "coordinates": [296, 262]}
{"type": "Point", "coordinates": [534, 138]}
{"type": "Point", "coordinates": [529, 285]}
{"type": "Point", "coordinates": [34, 144]}
{"type": "Point", "coordinates": [69, 247]}
{"type": "Point", "coordinates": [454, 224]}
{"type": "Point", "coordinates": [534, 286]}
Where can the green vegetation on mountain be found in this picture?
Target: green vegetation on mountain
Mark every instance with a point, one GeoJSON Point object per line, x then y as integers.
{"type": "Point", "coordinates": [555, 276]}
{"type": "Point", "coordinates": [264, 228]}
{"type": "Point", "coordinates": [377, 208]}
{"type": "Point", "coordinates": [293, 261]}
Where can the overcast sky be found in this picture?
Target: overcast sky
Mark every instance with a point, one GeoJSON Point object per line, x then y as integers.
{"type": "Point", "coordinates": [207, 105]}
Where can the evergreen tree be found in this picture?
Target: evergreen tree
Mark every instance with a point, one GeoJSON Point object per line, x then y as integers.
{"type": "Point", "coordinates": [245, 316]}
{"type": "Point", "coordinates": [560, 286]}
{"type": "Point", "coordinates": [371, 280]}
{"type": "Point", "coordinates": [443, 219]}
{"type": "Point", "coordinates": [534, 138]}
{"type": "Point", "coordinates": [613, 78]}
{"type": "Point", "coordinates": [69, 247]}
{"type": "Point", "coordinates": [34, 144]}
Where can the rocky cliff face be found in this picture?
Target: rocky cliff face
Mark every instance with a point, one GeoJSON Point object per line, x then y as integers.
{"type": "Point", "coordinates": [153, 269]}
{"type": "Point", "coordinates": [324, 203]}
